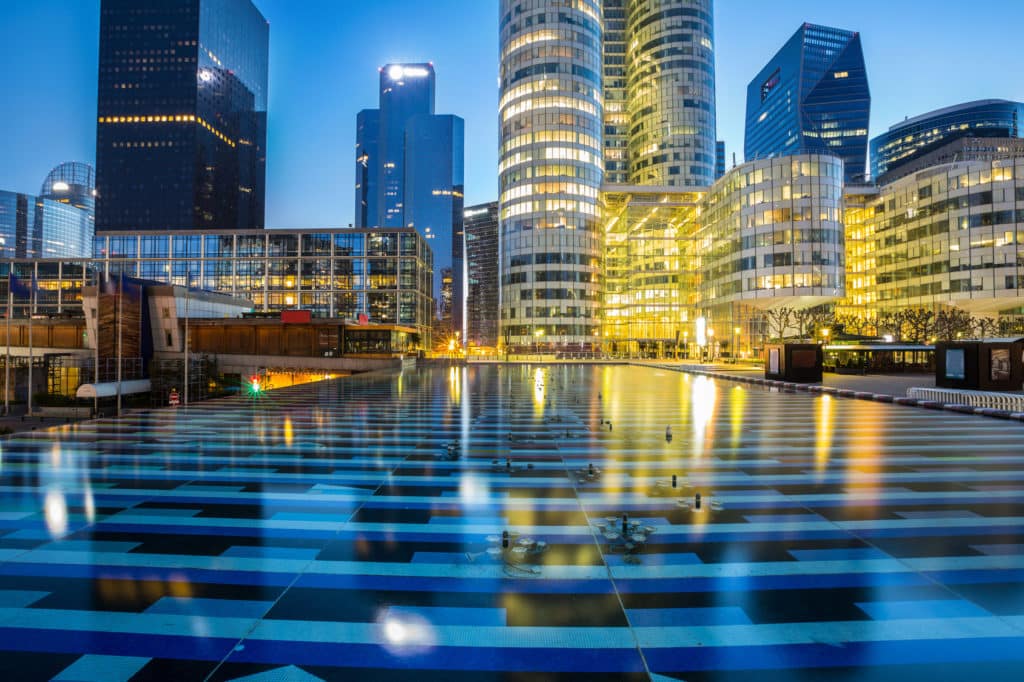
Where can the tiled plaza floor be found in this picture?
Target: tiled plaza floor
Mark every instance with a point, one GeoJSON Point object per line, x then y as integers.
{"type": "Point", "coordinates": [328, 531]}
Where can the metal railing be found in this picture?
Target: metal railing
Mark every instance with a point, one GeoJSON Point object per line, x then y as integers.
{"type": "Point", "coordinates": [1013, 402]}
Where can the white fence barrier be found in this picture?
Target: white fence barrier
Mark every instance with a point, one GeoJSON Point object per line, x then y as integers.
{"type": "Point", "coordinates": [1013, 402]}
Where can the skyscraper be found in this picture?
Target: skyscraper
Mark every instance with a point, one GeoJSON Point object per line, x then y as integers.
{"type": "Point", "coordinates": [812, 97]}
{"type": "Point", "coordinates": [409, 166]}
{"type": "Point", "coordinates": [670, 77]}
{"type": "Point", "coordinates": [481, 226]}
{"type": "Point", "coordinates": [181, 135]}
{"type": "Point", "coordinates": [550, 171]}
{"type": "Point", "coordinates": [565, 132]}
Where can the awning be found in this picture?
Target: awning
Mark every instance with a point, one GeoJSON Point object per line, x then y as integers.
{"type": "Point", "coordinates": [109, 389]}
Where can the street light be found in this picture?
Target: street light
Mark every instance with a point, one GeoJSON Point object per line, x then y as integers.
{"type": "Point", "coordinates": [735, 334]}
{"type": "Point", "coordinates": [711, 344]}
{"type": "Point", "coordinates": [824, 335]}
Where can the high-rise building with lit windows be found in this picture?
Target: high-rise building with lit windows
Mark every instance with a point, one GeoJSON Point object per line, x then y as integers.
{"type": "Point", "coordinates": [551, 119]}
{"type": "Point", "coordinates": [481, 263]}
{"type": "Point", "coordinates": [812, 98]}
{"type": "Point", "coordinates": [670, 91]}
{"type": "Point", "coordinates": [409, 169]}
{"type": "Point", "coordinates": [594, 94]}
{"type": "Point", "coordinates": [894, 152]}
{"type": "Point", "coordinates": [181, 134]}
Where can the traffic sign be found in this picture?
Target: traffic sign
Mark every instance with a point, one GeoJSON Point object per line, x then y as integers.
{"type": "Point", "coordinates": [174, 399]}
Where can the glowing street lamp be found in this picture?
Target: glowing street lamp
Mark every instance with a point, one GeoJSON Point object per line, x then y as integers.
{"type": "Point", "coordinates": [824, 335]}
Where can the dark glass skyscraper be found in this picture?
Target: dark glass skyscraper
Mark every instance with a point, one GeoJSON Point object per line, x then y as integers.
{"type": "Point", "coordinates": [812, 98]}
{"type": "Point", "coordinates": [181, 135]}
{"type": "Point", "coordinates": [409, 167]}
{"type": "Point", "coordinates": [481, 225]}
{"type": "Point", "coordinates": [914, 137]}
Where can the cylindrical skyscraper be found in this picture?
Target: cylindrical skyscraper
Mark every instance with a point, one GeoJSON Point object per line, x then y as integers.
{"type": "Point", "coordinates": [550, 172]}
{"type": "Point", "coordinates": [670, 69]}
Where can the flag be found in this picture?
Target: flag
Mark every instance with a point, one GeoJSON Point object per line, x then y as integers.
{"type": "Point", "coordinates": [18, 287]}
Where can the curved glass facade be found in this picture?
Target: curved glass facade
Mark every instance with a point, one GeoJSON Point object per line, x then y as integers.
{"type": "Point", "coordinates": [72, 183]}
{"type": "Point", "coordinates": [671, 92]}
{"type": "Point", "coordinates": [907, 140]}
{"type": "Point", "coordinates": [550, 171]}
{"type": "Point", "coordinates": [771, 234]}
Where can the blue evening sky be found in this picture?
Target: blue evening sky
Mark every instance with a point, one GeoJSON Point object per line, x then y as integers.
{"type": "Point", "coordinates": [324, 54]}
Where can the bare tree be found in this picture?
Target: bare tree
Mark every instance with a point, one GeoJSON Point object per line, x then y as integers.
{"type": "Point", "coordinates": [986, 327]}
{"type": "Point", "coordinates": [779, 320]}
{"type": "Point", "coordinates": [804, 319]}
{"type": "Point", "coordinates": [919, 323]}
{"type": "Point", "coordinates": [851, 324]}
{"type": "Point", "coordinates": [892, 323]}
{"type": "Point", "coordinates": [952, 324]}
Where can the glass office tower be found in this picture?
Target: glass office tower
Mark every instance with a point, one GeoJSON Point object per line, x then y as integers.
{"type": "Point", "coordinates": [481, 226]}
{"type": "Point", "coordinates": [433, 189]}
{"type": "Point", "coordinates": [812, 98]}
{"type": "Point", "coordinates": [181, 135]}
{"type": "Point", "coordinates": [72, 183]}
{"type": "Point", "coordinates": [550, 172]}
{"type": "Point", "coordinates": [35, 227]}
{"type": "Point", "coordinates": [910, 139]}
{"type": "Point", "coordinates": [367, 167]}
{"type": "Point", "coordinates": [409, 164]}
{"type": "Point", "coordinates": [670, 68]}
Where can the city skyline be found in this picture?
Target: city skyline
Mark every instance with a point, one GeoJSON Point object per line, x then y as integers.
{"type": "Point", "coordinates": [310, 133]}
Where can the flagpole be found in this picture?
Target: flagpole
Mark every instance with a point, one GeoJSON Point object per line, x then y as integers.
{"type": "Point", "coordinates": [31, 312]}
{"type": "Point", "coordinates": [188, 281]}
{"type": "Point", "coordinates": [7, 364]}
{"type": "Point", "coordinates": [96, 351]}
{"type": "Point", "coordinates": [120, 324]}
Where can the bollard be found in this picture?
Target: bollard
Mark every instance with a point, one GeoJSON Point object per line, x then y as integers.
{"type": "Point", "coordinates": [696, 501]}
{"type": "Point", "coordinates": [609, 426]}
{"type": "Point", "coordinates": [625, 524]}
{"type": "Point", "coordinates": [590, 468]}
{"type": "Point", "coordinates": [504, 539]}
{"type": "Point", "coordinates": [508, 464]}
{"type": "Point", "coordinates": [673, 480]}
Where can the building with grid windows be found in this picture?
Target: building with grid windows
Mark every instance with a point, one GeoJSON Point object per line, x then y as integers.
{"type": "Point", "coordinates": [181, 133]}
{"type": "Point", "coordinates": [36, 227]}
{"type": "Point", "coordinates": [812, 97]}
{"type": "Point", "coordinates": [895, 152]}
{"type": "Point", "coordinates": [381, 276]}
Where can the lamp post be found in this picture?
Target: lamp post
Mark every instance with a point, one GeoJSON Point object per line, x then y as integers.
{"type": "Point", "coordinates": [824, 335]}
{"type": "Point", "coordinates": [538, 333]}
{"type": "Point", "coordinates": [735, 335]}
{"type": "Point", "coordinates": [711, 344]}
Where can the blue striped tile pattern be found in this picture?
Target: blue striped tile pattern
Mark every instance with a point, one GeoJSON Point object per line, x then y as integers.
{"type": "Point", "coordinates": [327, 531]}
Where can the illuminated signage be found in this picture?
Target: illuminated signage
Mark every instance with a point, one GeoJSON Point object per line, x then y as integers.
{"type": "Point", "coordinates": [769, 85]}
{"type": "Point", "coordinates": [474, 212]}
{"type": "Point", "coordinates": [397, 72]}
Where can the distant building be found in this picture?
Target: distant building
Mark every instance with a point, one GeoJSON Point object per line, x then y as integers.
{"type": "Point", "coordinates": [409, 164]}
{"type": "Point", "coordinates": [181, 134]}
{"type": "Point", "coordinates": [72, 183]}
{"type": "Point", "coordinates": [51, 225]}
{"type": "Point", "coordinates": [812, 98]}
{"type": "Point", "coordinates": [719, 159]}
{"type": "Point", "coordinates": [908, 140]}
{"type": "Point", "coordinates": [481, 274]}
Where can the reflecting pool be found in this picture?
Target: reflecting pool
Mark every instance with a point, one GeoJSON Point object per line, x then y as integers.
{"type": "Point", "coordinates": [519, 522]}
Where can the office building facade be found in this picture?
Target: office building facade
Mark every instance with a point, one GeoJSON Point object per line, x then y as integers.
{"type": "Point", "coordinates": [670, 90]}
{"type": "Point", "coordinates": [909, 140]}
{"type": "Point", "coordinates": [613, 93]}
{"type": "Point", "coordinates": [35, 227]}
{"type": "Point", "coordinates": [481, 274]}
{"type": "Point", "coordinates": [384, 274]}
{"type": "Point", "coordinates": [181, 130]}
{"type": "Point", "coordinates": [409, 164]}
{"type": "Point", "coordinates": [72, 183]}
{"type": "Point", "coordinates": [947, 236]}
{"type": "Point", "coordinates": [812, 98]}
{"type": "Point", "coordinates": [550, 171]}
